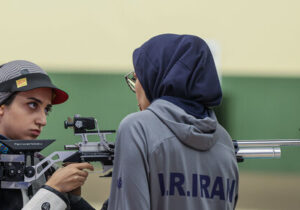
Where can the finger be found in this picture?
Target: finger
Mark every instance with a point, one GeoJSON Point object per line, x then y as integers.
{"type": "Point", "coordinates": [79, 179]}
{"type": "Point", "coordinates": [78, 166]}
{"type": "Point", "coordinates": [67, 163]}
{"type": "Point", "coordinates": [84, 166]}
{"type": "Point", "coordinates": [82, 173]}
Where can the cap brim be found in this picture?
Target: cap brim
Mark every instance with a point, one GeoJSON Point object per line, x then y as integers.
{"type": "Point", "coordinates": [32, 81]}
{"type": "Point", "coordinates": [60, 96]}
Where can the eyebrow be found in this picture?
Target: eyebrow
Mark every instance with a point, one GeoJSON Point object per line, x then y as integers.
{"type": "Point", "coordinates": [39, 101]}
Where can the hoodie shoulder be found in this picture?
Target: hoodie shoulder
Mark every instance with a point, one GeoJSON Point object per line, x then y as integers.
{"type": "Point", "coordinates": [145, 127]}
{"type": "Point", "coordinates": [136, 119]}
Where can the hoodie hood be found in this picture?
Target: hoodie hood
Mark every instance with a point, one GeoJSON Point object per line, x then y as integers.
{"type": "Point", "coordinates": [196, 133]}
{"type": "Point", "coordinates": [179, 69]}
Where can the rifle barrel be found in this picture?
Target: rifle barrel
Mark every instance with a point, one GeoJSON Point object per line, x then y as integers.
{"type": "Point", "coordinates": [261, 152]}
{"type": "Point", "coordinates": [268, 143]}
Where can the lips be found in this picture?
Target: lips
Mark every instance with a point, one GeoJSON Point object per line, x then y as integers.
{"type": "Point", "coordinates": [35, 132]}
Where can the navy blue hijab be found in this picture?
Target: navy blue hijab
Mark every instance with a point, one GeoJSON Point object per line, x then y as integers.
{"type": "Point", "coordinates": [179, 69]}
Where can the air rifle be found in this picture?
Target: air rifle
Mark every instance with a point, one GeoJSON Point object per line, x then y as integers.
{"type": "Point", "coordinates": [17, 169]}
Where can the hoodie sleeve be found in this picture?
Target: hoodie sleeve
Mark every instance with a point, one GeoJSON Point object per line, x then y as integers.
{"type": "Point", "coordinates": [47, 198]}
{"type": "Point", "coordinates": [130, 187]}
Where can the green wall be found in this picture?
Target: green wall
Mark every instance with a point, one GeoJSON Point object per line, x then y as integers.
{"type": "Point", "coordinates": [264, 108]}
{"type": "Point", "coordinates": [253, 108]}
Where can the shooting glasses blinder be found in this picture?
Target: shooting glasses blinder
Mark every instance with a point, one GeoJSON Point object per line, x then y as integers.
{"type": "Point", "coordinates": [130, 80]}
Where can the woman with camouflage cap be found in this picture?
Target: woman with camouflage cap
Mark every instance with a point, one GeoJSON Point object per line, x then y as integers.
{"type": "Point", "coordinates": [26, 97]}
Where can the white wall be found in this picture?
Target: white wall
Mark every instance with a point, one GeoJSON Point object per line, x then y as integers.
{"type": "Point", "coordinates": [254, 36]}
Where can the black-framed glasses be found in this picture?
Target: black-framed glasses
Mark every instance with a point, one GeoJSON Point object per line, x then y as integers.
{"type": "Point", "coordinates": [130, 80]}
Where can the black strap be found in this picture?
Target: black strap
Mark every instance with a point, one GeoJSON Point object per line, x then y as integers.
{"type": "Point", "coordinates": [80, 204]}
{"type": "Point", "coordinates": [30, 191]}
{"type": "Point", "coordinates": [105, 205]}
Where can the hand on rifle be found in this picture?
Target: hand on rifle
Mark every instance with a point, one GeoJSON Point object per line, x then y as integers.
{"type": "Point", "coordinates": [70, 178]}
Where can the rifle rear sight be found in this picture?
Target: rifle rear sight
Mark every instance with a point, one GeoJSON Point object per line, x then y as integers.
{"type": "Point", "coordinates": [84, 125]}
{"type": "Point", "coordinates": [80, 124]}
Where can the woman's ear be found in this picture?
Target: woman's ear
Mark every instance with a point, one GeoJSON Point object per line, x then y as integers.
{"type": "Point", "coordinates": [2, 109]}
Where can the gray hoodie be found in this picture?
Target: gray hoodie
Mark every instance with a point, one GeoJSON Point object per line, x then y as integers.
{"type": "Point", "coordinates": [168, 159]}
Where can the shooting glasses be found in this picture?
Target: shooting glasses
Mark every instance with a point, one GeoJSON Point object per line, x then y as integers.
{"type": "Point", "coordinates": [130, 80]}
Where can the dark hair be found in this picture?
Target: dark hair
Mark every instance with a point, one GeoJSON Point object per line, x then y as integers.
{"type": "Point", "coordinates": [10, 99]}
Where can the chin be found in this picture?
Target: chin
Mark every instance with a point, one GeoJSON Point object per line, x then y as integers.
{"type": "Point", "coordinates": [30, 138]}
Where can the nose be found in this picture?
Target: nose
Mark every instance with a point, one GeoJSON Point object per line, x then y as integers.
{"type": "Point", "coordinates": [41, 119]}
